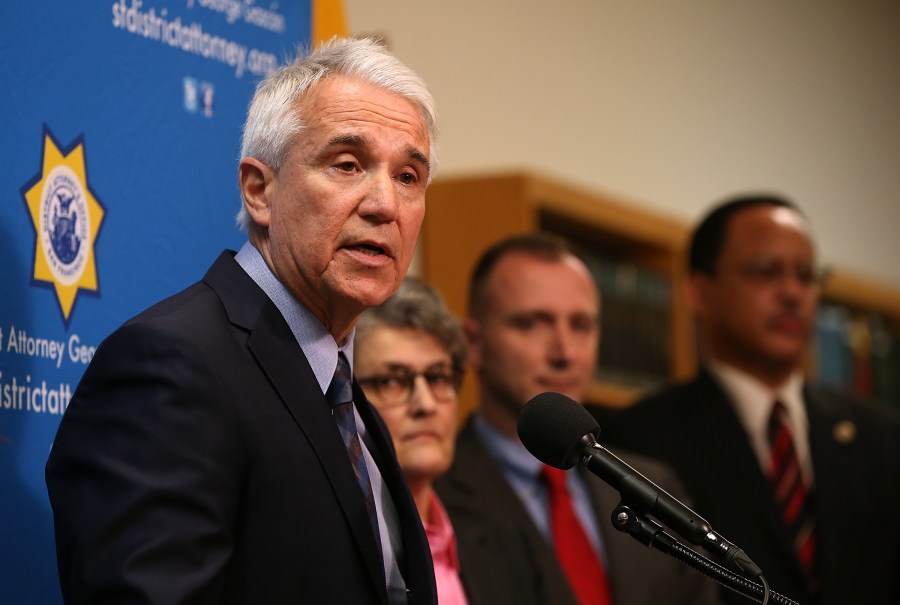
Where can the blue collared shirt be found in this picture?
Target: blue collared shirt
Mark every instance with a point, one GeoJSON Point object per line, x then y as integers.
{"type": "Point", "coordinates": [523, 472]}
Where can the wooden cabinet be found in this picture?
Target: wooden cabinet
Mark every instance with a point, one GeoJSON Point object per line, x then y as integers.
{"type": "Point", "coordinates": [625, 243]}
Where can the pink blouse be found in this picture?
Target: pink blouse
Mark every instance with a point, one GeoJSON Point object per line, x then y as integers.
{"type": "Point", "coordinates": [442, 542]}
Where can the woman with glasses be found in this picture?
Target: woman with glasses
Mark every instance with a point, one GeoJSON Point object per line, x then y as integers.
{"type": "Point", "coordinates": [409, 357]}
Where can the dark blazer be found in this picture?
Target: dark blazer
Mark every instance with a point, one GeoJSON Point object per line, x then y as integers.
{"type": "Point", "coordinates": [856, 462]}
{"type": "Point", "coordinates": [198, 462]}
{"type": "Point", "coordinates": [477, 496]}
{"type": "Point", "coordinates": [497, 565]}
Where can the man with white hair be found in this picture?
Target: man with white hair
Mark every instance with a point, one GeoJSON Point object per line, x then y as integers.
{"type": "Point", "coordinates": [217, 449]}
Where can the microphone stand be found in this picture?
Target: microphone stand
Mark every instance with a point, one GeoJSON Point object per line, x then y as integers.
{"type": "Point", "coordinates": [651, 534]}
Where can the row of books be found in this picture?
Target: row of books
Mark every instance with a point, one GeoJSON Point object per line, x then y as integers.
{"type": "Point", "coordinates": [634, 323]}
{"type": "Point", "coordinates": [858, 352]}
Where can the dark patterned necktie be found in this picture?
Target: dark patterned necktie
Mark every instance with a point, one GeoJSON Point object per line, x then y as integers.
{"type": "Point", "coordinates": [791, 495]}
{"type": "Point", "coordinates": [340, 397]}
{"type": "Point", "coordinates": [576, 555]}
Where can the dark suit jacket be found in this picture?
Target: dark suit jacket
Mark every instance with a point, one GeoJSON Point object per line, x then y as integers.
{"type": "Point", "coordinates": [198, 462]}
{"type": "Point", "coordinates": [857, 485]}
{"type": "Point", "coordinates": [477, 496]}
{"type": "Point", "coordinates": [497, 565]}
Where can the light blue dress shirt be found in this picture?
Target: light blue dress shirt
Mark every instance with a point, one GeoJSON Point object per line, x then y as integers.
{"type": "Point", "coordinates": [523, 472]}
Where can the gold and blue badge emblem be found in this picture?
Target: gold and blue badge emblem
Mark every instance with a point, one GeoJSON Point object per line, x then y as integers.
{"type": "Point", "coordinates": [66, 216]}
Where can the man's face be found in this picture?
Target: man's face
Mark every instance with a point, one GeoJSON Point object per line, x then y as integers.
{"type": "Point", "coordinates": [345, 208]}
{"type": "Point", "coordinates": [422, 426]}
{"type": "Point", "coordinates": [539, 332]}
{"type": "Point", "coordinates": [759, 306]}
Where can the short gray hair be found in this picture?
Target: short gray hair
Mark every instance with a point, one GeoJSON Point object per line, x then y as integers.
{"type": "Point", "coordinates": [273, 118]}
{"type": "Point", "coordinates": [418, 306]}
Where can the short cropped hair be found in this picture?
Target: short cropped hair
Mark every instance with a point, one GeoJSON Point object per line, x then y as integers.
{"type": "Point", "coordinates": [708, 237]}
{"type": "Point", "coordinates": [274, 120]}
{"type": "Point", "coordinates": [541, 245]}
{"type": "Point", "coordinates": [418, 306]}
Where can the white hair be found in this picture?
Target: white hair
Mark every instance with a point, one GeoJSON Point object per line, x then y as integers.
{"type": "Point", "coordinates": [273, 118]}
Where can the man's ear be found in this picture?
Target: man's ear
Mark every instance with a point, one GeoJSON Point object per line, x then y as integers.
{"type": "Point", "coordinates": [257, 184]}
{"type": "Point", "coordinates": [472, 332]}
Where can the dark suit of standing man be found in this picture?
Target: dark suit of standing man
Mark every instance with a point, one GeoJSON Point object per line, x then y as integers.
{"type": "Point", "coordinates": [533, 327]}
{"type": "Point", "coordinates": [199, 461]}
{"type": "Point", "coordinates": [754, 289]}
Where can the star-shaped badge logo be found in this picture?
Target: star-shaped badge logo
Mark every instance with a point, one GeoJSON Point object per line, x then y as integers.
{"type": "Point", "coordinates": [66, 216]}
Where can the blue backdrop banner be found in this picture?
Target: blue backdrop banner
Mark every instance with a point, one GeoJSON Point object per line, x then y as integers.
{"type": "Point", "coordinates": [122, 124]}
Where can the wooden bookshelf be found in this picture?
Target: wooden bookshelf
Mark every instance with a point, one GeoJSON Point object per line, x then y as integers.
{"type": "Point", "coordinates": [466, 214]}
{"type": "Point", "coordinates": [860, 352]}
{"type": "Point", "coordinates": [862, 293]}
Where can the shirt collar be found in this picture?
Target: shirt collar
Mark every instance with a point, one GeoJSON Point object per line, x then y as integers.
{"type": "Point", "coordinates": [315, 340]}
{"type": "Point", "coordinates": [752, 400]}
{"type": "Point", "coordinates": [510, 453]}
{"type": "Point", "coordinates": [439, 532]}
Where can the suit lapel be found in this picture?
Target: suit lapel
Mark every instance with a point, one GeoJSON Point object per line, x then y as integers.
{"type": "Point", "coordinates": [837, 465]}
{"type": "Point", "coordinates": [733, 479]}
{"type": "Point", "coordinates": [622, 558]}
{"type": "Point", "coordinates": [474, 474]}
{"type": "Point", "coordinates": [477, 468]}
{"type": "Point", "coordinates": [377, 438]}
{"type": "Point", "coordinates": [416, 570]}
{"type": "Point", "coordinates": [272, 344]}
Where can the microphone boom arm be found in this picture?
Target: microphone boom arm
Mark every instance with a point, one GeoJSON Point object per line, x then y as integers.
{"type": "Point", "coordinates": [652, 535]}
{"type": "Point", "coordinates": [648, 498]}
{"type": "Point", "coordinates": [558, 431]}
{"type": "Point", "coordinates": [643, 495]}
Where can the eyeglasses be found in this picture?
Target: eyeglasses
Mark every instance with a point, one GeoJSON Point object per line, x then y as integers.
{"type": "Point", "coordinates": [768, 271]}
{"type": "Point", "coordinates": [396, 388]}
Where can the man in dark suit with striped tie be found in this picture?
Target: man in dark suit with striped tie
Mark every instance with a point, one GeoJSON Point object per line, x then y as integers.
{"type": "Point", "coordinates": [806, 481]}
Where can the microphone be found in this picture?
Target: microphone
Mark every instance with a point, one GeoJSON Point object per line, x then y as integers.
{"type": "Point", "coordinates": [559, 432]}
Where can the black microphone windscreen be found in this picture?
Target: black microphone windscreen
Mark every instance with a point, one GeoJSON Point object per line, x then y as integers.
{"type": "Point", "coordinates": [551, 426]}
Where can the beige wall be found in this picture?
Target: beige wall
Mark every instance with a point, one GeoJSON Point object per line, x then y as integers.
{"type": "Point", "coordinates": [674, 105]}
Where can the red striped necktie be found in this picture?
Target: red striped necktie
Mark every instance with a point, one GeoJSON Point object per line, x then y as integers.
{"type": "Point", "coordinates": [793, 498]}
{"type": "Point", "coordinates": [576, 555]}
